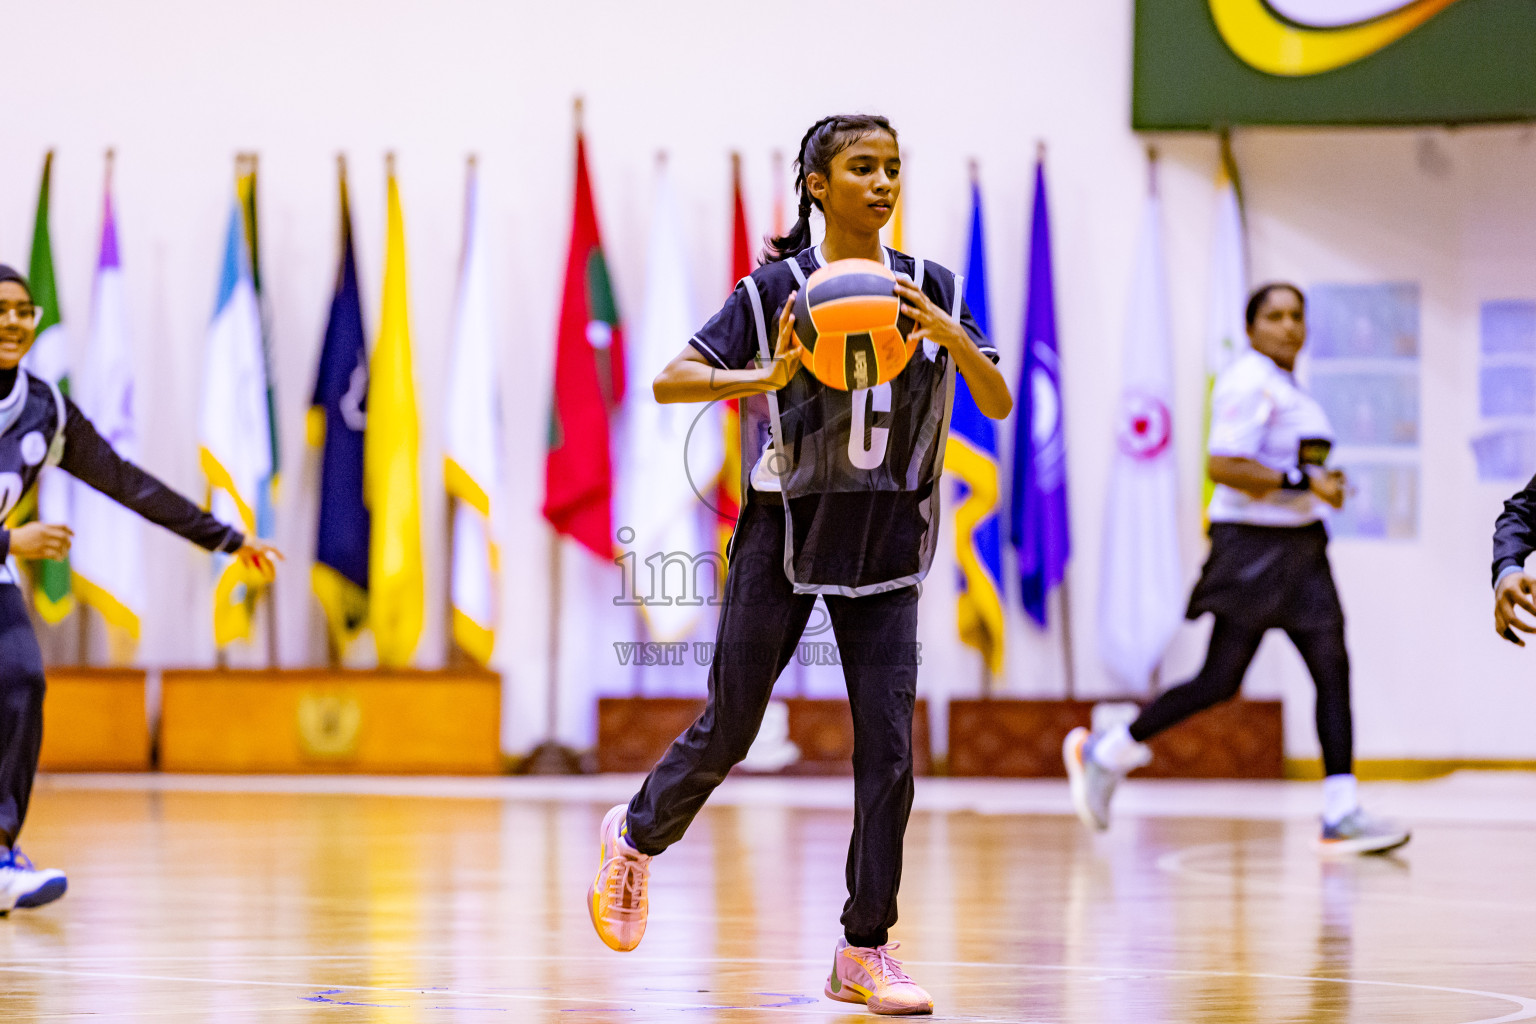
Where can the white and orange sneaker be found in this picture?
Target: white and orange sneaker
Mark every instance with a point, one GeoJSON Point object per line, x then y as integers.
{"type": "Point", "coordinates": [870, 975]}
{"type": "Point", "coordinates": [617, 900]}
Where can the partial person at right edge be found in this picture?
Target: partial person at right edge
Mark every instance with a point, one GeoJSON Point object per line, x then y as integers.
{"type": "Point", "coordinates": [1514, 538]}
{"type": "Point", "coordinates": [1268, 569]}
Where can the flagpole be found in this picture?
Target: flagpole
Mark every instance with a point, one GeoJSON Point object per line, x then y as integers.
{"type": "Point", "coordinates": [1068, 658]}
{"type": "Point", "coordinates": [552, 757]}
{"type": "Point", "coordinates": [268, 592]}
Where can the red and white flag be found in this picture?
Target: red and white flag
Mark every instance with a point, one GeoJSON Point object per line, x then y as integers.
{"type": "Point", "coordinates": [1142, 588]}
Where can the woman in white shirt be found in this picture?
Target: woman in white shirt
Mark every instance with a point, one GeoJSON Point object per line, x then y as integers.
{"type": "Point", "coordinates": [1268, 569]}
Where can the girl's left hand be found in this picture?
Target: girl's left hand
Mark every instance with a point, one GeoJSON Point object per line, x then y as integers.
{"type": "Point", "coordinates": [933, 323]}
{"type": "Point", "coordinates": [261, 557]}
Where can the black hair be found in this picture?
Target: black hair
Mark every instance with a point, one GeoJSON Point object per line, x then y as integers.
{"type": "Point", "coordinates": [1256, 300]}
{"type": "Point", "coordinates": [822, 141]}
{"type": "Point", "coordinates": [9, 273]}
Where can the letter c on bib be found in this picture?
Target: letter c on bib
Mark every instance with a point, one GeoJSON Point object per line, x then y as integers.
{"type": "Point", "coordinates": [867, 402]}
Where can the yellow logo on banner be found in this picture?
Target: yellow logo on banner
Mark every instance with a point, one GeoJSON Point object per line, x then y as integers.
{"type": "Point", "coordinates": [329, 725]}
{"type": "Point", "coordinates": [1266, 40]}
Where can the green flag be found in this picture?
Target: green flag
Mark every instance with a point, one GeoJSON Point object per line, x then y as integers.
{"type": "Point", "coordinates": [49, 360]}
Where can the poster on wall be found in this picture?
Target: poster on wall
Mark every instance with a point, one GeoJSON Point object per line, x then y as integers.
{"type": "Point", "coordinates": [1362, 366]}
{"type": "Point", "coordinates": [1209, 64]}
{"type": "Point", "coordinates": [1505, 446]}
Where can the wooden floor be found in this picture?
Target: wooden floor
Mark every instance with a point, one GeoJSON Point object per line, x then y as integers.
{"type": "Point", "coordinates": [196, 899]}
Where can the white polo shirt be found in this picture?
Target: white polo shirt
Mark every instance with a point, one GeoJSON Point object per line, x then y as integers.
{"type": "Point", "coordinates": [1259, 412]}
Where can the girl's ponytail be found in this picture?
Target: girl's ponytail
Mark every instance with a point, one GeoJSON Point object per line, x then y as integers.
{"type": "Point", "coordinates": [821, 142]}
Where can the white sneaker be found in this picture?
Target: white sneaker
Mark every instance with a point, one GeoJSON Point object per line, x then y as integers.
{"type": "Point", "coordinates": [1091, 783]}
{"type": "Point", "coordinates": [1358, 832]}
{"type": "Point", "coordinates": [24, 886]}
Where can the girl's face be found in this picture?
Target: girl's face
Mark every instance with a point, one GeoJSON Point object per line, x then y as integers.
{"type": "Point", "coordinates": [1280, 328]}
{"type": "Point", "coordinates": [18, 324]}
{"type": "Point", "coordinates": [860, 189]}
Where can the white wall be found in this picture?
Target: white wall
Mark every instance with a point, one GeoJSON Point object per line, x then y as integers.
{"type": "Point", "coordinates": [179, 87]}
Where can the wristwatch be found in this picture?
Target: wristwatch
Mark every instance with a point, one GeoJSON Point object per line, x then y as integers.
{"type": "Point", "coordinates": [1296, 479]}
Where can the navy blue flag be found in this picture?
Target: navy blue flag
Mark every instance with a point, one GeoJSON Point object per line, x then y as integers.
{"type": "Point", "coordinates": [337, 415]}
{"type": "Point", "coordinates": [1041, 533]}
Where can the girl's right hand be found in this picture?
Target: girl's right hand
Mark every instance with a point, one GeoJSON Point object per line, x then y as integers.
{"type": "Point", "coordinates": [41, 540]}
{"type": "Point", "coordinates": [788, 353]}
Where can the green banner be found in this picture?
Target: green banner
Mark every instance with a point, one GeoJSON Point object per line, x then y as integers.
{"type": "Point", "coordinates": [1206, 64]}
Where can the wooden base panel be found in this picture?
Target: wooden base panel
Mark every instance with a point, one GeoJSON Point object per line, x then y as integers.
{"type": "Point", "coordinates": [95, 720]}
{"type": "Point", "coordinates": [1241, 739]}
{"type": "Point", "coordinates": [633, 733]}
{"type": "Point", "coordinates": [303, 721]}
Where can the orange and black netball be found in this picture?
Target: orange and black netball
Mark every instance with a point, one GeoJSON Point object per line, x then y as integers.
{"type": "Point", "coordinates": [849, 319]}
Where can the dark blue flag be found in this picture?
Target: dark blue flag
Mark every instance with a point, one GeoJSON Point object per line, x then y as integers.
{"type": "Point", "coordinates": [1040, 530]}
{"type": "Point", "coordinates": [337, 416]}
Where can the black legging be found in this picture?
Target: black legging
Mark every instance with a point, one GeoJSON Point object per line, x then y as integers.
{"type": "Point", "coordinates": [1233, 646]}
{"type": "Point", "coordinates": [21, 711]}
{"type": "Point", "coordinates": [760, 627]}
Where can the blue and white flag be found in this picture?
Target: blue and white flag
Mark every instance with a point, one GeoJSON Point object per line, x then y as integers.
{"type": "Point", "coordinates": [971, 456]}
{"type": "Point", "coordinates": [1040, 530]}
{"type": "Point", "coordinates": [235, 428]}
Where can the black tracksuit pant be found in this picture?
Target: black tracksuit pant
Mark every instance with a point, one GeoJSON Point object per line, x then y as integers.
{"type": "Point", "coordinates": [21, 711]}
{"type": "Point", "coordinates": [760, 626]}
{"type": "Point", "coordinates": [1233, 645]}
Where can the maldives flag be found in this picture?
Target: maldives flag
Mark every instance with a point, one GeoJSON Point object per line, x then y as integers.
{"type": "Point", "coordinates": [589, 385]}
{"type": "Point", "coordinates": [728, 491]}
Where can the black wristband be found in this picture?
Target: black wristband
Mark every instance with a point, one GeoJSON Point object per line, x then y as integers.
{"type": "Point", "coordinates": [1295, 479]}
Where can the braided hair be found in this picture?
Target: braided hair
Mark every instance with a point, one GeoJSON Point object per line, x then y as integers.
{"type": "Point", "coordinates": [822, 141]}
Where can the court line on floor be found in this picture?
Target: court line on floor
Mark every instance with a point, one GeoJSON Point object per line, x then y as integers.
{"type": "Point", "coordinates": [1526, 1007]}
{"type": "Point", "coordinates": [1175, 863]}
{"type": "Point", "coordinates": [331, 988]}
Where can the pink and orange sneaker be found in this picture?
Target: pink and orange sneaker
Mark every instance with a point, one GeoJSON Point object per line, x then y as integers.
{"type": "Point", "coordinates": [861, 974]}
{"type": "Point", "coordinates": [616, 900]}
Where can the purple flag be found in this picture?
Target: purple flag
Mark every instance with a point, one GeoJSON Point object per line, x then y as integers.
{"type": "Point", "coordinates": [1041, 533]}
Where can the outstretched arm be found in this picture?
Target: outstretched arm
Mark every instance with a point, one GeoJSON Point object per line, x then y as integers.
{"type": "Point", "coordinates": [88, 457]}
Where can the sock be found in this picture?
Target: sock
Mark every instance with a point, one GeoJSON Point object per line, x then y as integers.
{"type": "Point", "coordinates": [1116, 750]}
{"type": "Point", "coordinates": [1341, 798]}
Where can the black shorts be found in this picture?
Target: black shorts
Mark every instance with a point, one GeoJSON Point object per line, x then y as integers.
{"type": "Point", "coordinates": [1268, 577]}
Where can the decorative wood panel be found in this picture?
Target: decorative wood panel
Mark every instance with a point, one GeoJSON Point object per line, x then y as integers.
{"type": "Point", "coordinates": [633, 733]}
{"type": "Point", "coordinates": [331, 721]}
{"type": "Point", "coordinates": [95, 720]}
{"type": "Point", "coordinates": [1241, 739]}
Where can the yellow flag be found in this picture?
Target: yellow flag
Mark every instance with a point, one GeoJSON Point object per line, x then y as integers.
{"type": "Point", "coordinates": [391, 483]}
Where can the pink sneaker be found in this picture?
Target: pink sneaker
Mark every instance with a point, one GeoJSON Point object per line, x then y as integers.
{"type": "Point", "coordinates": [872, 976]}
{"type": "Point", "coordinates": [616, 900]}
